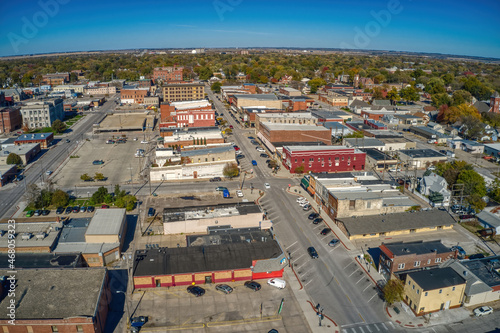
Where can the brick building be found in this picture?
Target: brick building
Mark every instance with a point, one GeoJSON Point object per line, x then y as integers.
{"type": "Point", "coordinates": [190, 136]}
{"type": "Point", "coordinates": [399, 257]}
{"type": "Point", "coordinates": [55, 78]}
{"type": "Point", "coordinates": [273, 133]}
{"type": "Point", "coordinates": [183, 92]}
{"type": "Point", "coordinates": [187, 114]}
{"type": "Point", "coordinates": [323, 158]}
{"type": "Point", "coordinates": [44, 139]}
{"type": "Point", "coordinates": [46, 301]}
{"type": "Point", "coordinates": [172, 73]}
{"type": "Point", "coordinates": [133, 96]}
{"type": "Point", "coordinates": [10, 119]}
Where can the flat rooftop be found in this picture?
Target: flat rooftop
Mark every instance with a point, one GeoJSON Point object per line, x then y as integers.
{"type": "Point", "coordinates": [318, 148]}
{"type": "Point", "coordinates": [366, 225]}
{"type": "Point", "coordinates": [268, 97]}
{"type": "Point", "coordinates": [293, 127]}
{"type": "Point", "coordinates": [106, 222]}
{"type": "Point", "coordinates": [51, 293]}
{"type": "Point", "coordinates": [438, 278]}
{"type": "Point", "coordinates": [185, 105]}
{"type": "Point", "coordinates": [32, 234]}
{"type": "Point", "coordinates": [364, 142]}
{"type": "Point", "coordinates": [203, 258]}
{"type": "Point", "coordinates": [209, 212]}
{"type": "Point", "coordinates": [486, 269]}
{"type": "Point", "coordinates": [19, 150]}
{"type": "Point", "coordinates": [418, 248]}
{"type": "Point", "coordinates": [42, 260]}
{"type": "Point", "coordinates": [421, 153]}
{"type": "Point", "coordinates": [126, 121]}
{"type": "Point", "coordinates": [214, 150]}
{"type": "Point", "coordinates": [377, 155]}
{"type": "Point", "coordinates": [227, 235]}
{"type": "Point", "coordinates": [291, 115]}
{"type": "Point", "coordinates": [34, 136]}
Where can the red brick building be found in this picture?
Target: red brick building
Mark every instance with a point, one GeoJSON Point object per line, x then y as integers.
{"type": "Point", "coordinates": [187, 114]}
{"type": "Point", "coordinates": [55, 78]}
{"type": "Point", "coordinates": [133, 96]}
{"type": "Point", "coordinates": [10, 119]}
{"type": "Point", "coordinates": [294, 133]}
{"type": "Point", "coordinates": [397, 258]}
{"type": "Point", "coordinates": [57, 300]}
{"type": "Point", "coordinates": [44, 139]}
{"type": "Point", "coordinates": [323, 158]}
{"type": "Point", "coordinates": [168, 73]}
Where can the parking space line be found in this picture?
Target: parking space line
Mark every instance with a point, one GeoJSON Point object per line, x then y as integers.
{"type": "Point", "coordinates": [362, 331]}
{"type": "Point", "coordinates": [353, 272]}
{"type": "Point", "coordinates": [360, 279]}
{"type": "Point", "coordinates": [308, 282]}
{"type": "Point", "coordinates": [384, 326]}
{"type": "Point", "coordinates": [372, 297]}
{"type": "Point", "coordinates": [378, 329]}
{"type": "Point", "coordinates": [390, 322]}
{"type": "Point", "coordinates": [299, 267]}
{"type": "Point", "coordinates": [352, 262]}
{"type": "Point", "coordinates": [368, 286]}
{"type": "Point", "coordinates": [368, 328]}
{"type": "Point", "coordinates": [292, 245]}
{"type": "Point", "coordinates": [184, 323]}
{"type": "Point", "coordinates": [298, 257]}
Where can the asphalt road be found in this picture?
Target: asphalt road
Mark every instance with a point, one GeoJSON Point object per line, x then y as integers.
{"type": "Point", "coordinates": [56, 154]}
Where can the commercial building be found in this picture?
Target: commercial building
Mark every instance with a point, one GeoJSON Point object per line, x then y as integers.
{"type": "Point", "coordinates": [172, 73]}
{"type": "Point", "coordinates": [303, 118]}
{"type": "Point", "coordinates": [421, 158]}
{"type": "Point", "coordinates": [240, 257]}
{"type": "Point", "coordinates": [492, 149]}
{"type": "Point", "coordinates": [183, 92]}
{"type": "Point", "coordinates": [200, 219]}
{"type": "Point", "coordinates": [397, 143]}
{"type": "Point", "coordinates": [191, 136]}
{"type": "Point", "coordinates": [410, 119]}
{"type": "Point", "coordinates": [271, 134]}
{"type": "Point", "coordinates": [330, 115]}
{"type": "Point", "coordinates": [133, 96]}
{"type": "Point", "coordinates": [295, 103]}
{"type": "Point", "coordinates": [395, 224]}
{"type": "Point", "coordinates": [433, 290]}
{"type": "Point", "coordinates": [26, 152]}
{"type": "Point", "coordinates": [429, 133]}
{"type": "Point", "coordinates": [490, 219]}
{"type": "Point", "coordinates": [35, 235]}
{"type": "Point", "coordinates": [290, 91]}
{"type": "Point", "coordinates": [42, 113]}
{"type": "Point", "coordinates": [323, 158]}
{"type": "Point", "coordinates": [10, 119]}
{"type": "Point", "coordinates": [378, 159]}
{"type": "Point", "coordinates": [76, 88]}
{"type": "Point", "coordinates": [334, 99]}
{"type": "Point", "coordinates": [100, 90]}
{"type": "Point", "coordinates": [45, 300]}
{"type": "Point", "coordinates": [44, 139]}
{"type": "Point", "coordinates": [364, 143]}
{"type": "Point", "coordinates": [402, 258]}
{"type": "Point", "coordinates": [55, 78]}
{"type": "Point", "coordinates": [187, 114]}
{"type": "Point", "coordinates": [7, 173]}
{"type": "Point", "coordinates": [262, 100]}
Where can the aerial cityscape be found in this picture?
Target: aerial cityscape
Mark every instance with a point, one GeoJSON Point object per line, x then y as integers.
{"type": "Point", "coordinates": [233, 166]}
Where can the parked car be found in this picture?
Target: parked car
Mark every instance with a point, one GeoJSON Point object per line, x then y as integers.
{"type": "Point", "coordinates": [59, 210]}
{"type": "Point", "coordinates": [255, 286]}
{"type": "Point", "coordinates": [251, 138]}
{"type": "Point", "coordinates": [224, 288]}
{"type": "Point", "coordinates": [239, 193]}
{"type": "Point", "coordinates": [104, 207]}
{"type": "Point", "coordinates": [76, 209]}
{"type": "Point", "coordinates": [98, 162]}
{"type": "Point", "coordinates": [460, 250]}
{"type": "Point", "coordinates": [254, 162]}
{"type": "Point", "coordinates": [67, 141]}
{"type": "Point", "coordinates": [220, 188]}
{"type": "Point", "coordinates": [90, 209]}
{"type": "Point", "coordinates": [334, 242]}
{"type": "Point", "coordinates": [151, 212]}
{"type": "Point", "coordinates": [312, 252]}
{"type": "Point", "coordinates": [307, 207]}
{"type": "Point", "coordinates": [278, 283]}
{"type": "Point", "coordinates": [240, 156]}
{"type": "Point", "coordinates": [476, 256]}
{"type": "Point", "coordinates": [195, 290]}
{"type": "Point", "coordinates": [264, 155]}
{"type": "Point", "coordinates": [303, 203]}
{"type": "Point", "coordinates": [143, 141]}
{"type": "Point", "coordinates": [483, 311]}
{"type": "Point", "coordinates": [45, 212]}
{"type": "Point", "coordinates": [68, 210]}
{"type": "Point", "coordinates": [215, 179]}
{"type": "Point", "coordinates": [312, 216]}
{"type": "Point", "coordinates": [317, 220]}
{"type": "Point", "coordinates": [300, 199]}
{"type": "Point", "coordinates": [83, 209]}
{"type": "Point", "coordinates": [48, 172]}
{"type": "Point", "coordinates": [467, 218]}
{"type": "Point", "coordinates": [38, 212]}
{"type": "Point", "coordinates": [30, 213]}
{"type": "Point", "coordinates": [325, 231]}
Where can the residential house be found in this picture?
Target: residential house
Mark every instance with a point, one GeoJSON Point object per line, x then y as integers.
{"type": "Point", "coordinates": [436, 188]}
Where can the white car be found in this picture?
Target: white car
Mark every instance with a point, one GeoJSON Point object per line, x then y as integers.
{"type": "Point", "coordinates": [394, 170]}
{"type": "Point", "coordinates": [239, 193]}
{"type": "Point", "coordinates": [303, 203]}
{"type": "Point", "coordinates": [144, 141]}
{"type": "Point", "coordinates": [278, 283]}
{"type": "Point", "coordinates": [483, 311]}
{"type": "Point", "coordinates": [301, 199]}
{"type": "Point", "coordinates": [48, 172]}
{"type": "Point", "coordinates": [266, 185]}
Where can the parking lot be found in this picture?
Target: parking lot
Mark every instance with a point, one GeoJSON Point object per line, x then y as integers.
{"type": "Point", "coordinates": [243, 310]}
{"type": "Point", "coordinates": [120, 164]}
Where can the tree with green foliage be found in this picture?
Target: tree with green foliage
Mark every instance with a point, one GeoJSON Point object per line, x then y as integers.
{"type": "Point", "coordinates": [393, 95]}
{"type": "Point", "coordinates": [393, 291]}
{"type": "Point", "coordinates": [355, 134]}
{"type": "Point", "coordinates": [58, 126]}
{"type": "Point", "coordinates": [461, 97]}
{"type": "Point", "coordinates": [409, 94]}
{"type": "Point", "coordinates": [99, 176]}
{"type": "Point", "coordinates": [473, 183]}
{"type": "Point", "coordinates": [60, 198]}
{"type": "Point", "coordinates": [300, 169]}
{"type": "Point", "coordinates": [99, 195]}
{"type": "Point", "coordinates": [13, 158]}
{"type": "Point", "coordinates": [230, 170]}
{"type": "Point", "coordinates": [435, 86]}
{"type": "Point", "coordinates": [85, 177]}
{"type": "Point", "coordinates": [216, 87]}
{"type": "Point", "coordinates": [118, 192]}
{"type": "Point", "coordinates": [450, 171]}
{"type": "Point", "coordinates": [315, 83]}
{"type": "Point", "coordinates": [127, 201]}
{"type": "Point", "coordinates": [437, 100]}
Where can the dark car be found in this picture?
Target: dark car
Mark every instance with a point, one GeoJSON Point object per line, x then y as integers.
{"type": "Point", "coordinates": [104, 207]}
{"type": "Point", "coordinates": [312, 216]}
{"type": "Point", "coordinates": [264, 155]}
{"type": "Point", "coordinates": [216, 179]}
{"type": "Point", "coordinates": [151, 212]}
{"type": "Point", "coordinates": [334, 242]}
{"type": "Point", "coordinates": [195, 290]}
{"type": "Point", "coordinates": [240, 156]}
{"type": "Point", "coordinates": [466, 218]}
{"type": "Point", "coordinates": [45, 212]}
{"type": "Point", "coordinates": [98, 162]}
{"type": "Point", "coordinates": [476, 256]}
{"type": "Point", "coordinates": [460, 250]}
{"type": "Point", "coordinates": [90, 209]}
{"type": "Point", "coordinates": [59, 210]}
{"type": "Point", "coordinates": [255, 286]}
{"type": "Point", "coordinates": [83, 209]}
{"type": "Point", "coordinates": [224, 288]}
{"type": "Point", "coordinates": [312, 252]}
{"type": "Point", "coordinates": [254, 142]}
{"type": "Point", "coordinates": [325, 231]}
{"type": "Point", "coordinates": [38, 212]}
{"type": "Point", "coordinates": [251, 137]}
{"type": "Point", "coordinates": [317, 220]}
{"type": "Point", "coordinates": [68, 210]}
{"type": "Point", "coordinates": [67, 141]}
{"type": "Point", "coordinates": [76, 209]}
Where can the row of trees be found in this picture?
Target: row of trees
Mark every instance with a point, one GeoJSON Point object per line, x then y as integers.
{"type": "Point", "coordinates": [119, 198]}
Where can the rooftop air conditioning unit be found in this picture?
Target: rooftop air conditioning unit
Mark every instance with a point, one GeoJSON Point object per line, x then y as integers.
{"type": "Point", "coordinates": [26, 235]}
{"type": "Point", "coordinates": [41, 235]}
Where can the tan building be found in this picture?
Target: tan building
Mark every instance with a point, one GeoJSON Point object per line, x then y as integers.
{"type": "Point", "coordinates": [285, 118]}
{"type": "Point", "coordinates": [263, 100]}
{"type": "Point", "coordinates": [183, 92]}
{"type": "Point", "coordinates": [433, 290]}
{"type": "Point", "coordinates": [198, 219]}
{"type": "Point", "coordinates": [152, 100]}
{"type": "Point", "coordinates": [334, 99]}
{"type": "Point", "coordinates": [107, 226]}
{"type": "Point", "coordinates": [77, 88]}
{"type": "Point", "coordinates": [100, 90]}
{"type": "Point", "coordinates": [133, 96]}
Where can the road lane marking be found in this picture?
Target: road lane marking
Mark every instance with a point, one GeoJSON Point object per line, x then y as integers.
{"type": "Point", "coordinates": [337, 281]}
{"type": "Point", "coordinates": [349, 300]}
{"type": "Point", "coordinates": [360, 316]}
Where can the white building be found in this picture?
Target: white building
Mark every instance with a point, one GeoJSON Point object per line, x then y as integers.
{"type": "Point", "coordinates": [42, 113]}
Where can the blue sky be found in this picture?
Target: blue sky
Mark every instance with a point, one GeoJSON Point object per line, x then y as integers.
{"type": "Point", "coordinates": [443, 26]}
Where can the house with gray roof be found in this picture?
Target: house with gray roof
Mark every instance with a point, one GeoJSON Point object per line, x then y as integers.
{"type": "Point", "coordinates": [382, 102]}
{"type": "Point", "coordinates": [489, 219]}
{"type": "Point", "coordinates": [432, 185]}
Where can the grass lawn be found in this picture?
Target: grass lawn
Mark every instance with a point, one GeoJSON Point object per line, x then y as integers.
{"type": "Point", "coordinates": [472, 227]}
{"type": "Point", "coordinates": [73, 202]}
{"type": "Point", "coordinates": [69, 122]}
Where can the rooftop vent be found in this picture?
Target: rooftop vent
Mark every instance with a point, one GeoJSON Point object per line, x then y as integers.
{"type": "Point", "coordinates": [26, 236]}
{"type": "Point", "coordinates": [41, 235]}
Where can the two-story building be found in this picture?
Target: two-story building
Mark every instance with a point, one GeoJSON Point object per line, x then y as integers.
{"type": "Point", "coordinates": [42, 113]}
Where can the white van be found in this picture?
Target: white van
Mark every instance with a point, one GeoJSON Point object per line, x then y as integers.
{"type": "Point", "coordinates": [278, 283]}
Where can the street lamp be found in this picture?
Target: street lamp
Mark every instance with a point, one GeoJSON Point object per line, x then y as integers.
{"type": "Point", "coordinates": [88, 195]}
{"type": "Point", "coordinates": [126, 304]}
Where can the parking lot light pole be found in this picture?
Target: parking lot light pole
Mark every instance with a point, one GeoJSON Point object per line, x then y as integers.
{"type": "Point", "coordinates": [126, 305]}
